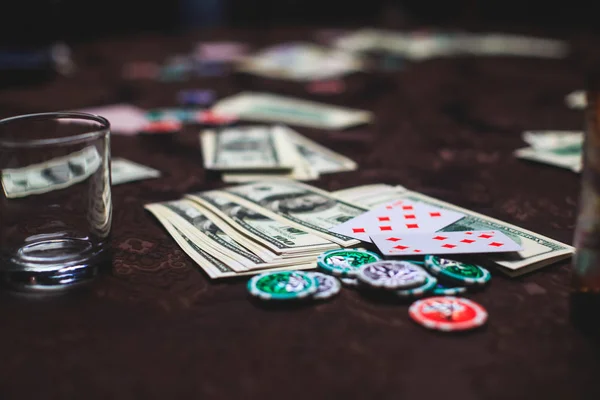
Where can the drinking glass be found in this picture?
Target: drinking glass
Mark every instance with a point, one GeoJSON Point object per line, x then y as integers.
{"type": "Point", "coordinates": [55, 203]}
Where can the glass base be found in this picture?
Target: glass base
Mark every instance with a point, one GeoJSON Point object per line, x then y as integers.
{"type": "Point", "coordinates": [54, 265]}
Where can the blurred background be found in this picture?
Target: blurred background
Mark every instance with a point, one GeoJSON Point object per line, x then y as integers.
{"type": "Point", "coordinates": [35, 22]}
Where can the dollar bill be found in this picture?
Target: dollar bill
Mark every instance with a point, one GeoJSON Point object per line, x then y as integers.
{"type": "Point", "coordinates": [538, 250]}
{"type": "Point", "coordinates": [203, 225]}
{"type": "Point", "coordinates": [558, 148]}
{"type": "Point", "coordinates": [421, 46]}
{"type": "Point", "coordinates": [288, 110]}
{"type": "Point", "coordinates": [299, 205]}
{"type": "Point", "coordinates": [248, 148]}
{"type": "Point", "coordinates": [301, 62]}
{"type": "Point", "coordinates": [311, 159]}
{"type": "Point", "coordinates": [281, 238]}
{"type": "Point", "coordinates": [212, 266]}
{"type": "Point", "coordinates": [55, 174]}
{"type": "Point", "coordinates": [123, 171]}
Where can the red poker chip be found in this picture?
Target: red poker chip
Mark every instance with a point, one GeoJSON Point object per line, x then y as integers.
{"type": "Point", "coordinates": [165, 126]}
{"type": "Point", "coordinates": [211, 118]}
{"type": "Point", "coordinates": [448, 313]}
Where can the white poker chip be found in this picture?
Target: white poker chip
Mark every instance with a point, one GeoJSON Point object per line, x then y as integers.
{"type": "Point", "coordinates": [391, 275]}
{"type": "Point", "coordinates": [327, 285]}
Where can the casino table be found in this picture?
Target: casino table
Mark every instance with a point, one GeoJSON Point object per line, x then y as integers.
{"type": "Point", "coordinates": [154, 326]}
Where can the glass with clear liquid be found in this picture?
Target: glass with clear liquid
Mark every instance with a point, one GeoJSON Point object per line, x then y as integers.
{"type": "Point", "coordinates": [55, 202]}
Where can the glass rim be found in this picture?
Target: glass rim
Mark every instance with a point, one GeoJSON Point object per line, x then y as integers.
{"type": "Point", "coordinates": [81, 137]}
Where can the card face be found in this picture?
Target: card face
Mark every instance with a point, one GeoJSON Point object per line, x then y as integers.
{"type": "Point", "coordinates": [400, 217]}
{"type": "Point", "coordinates": [468, 242]}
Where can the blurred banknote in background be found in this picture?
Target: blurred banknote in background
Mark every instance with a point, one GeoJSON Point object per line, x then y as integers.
{"type": "Point", "coordinates": [558, 148]}
{"type": "Point", "coordinates": [301, 62]}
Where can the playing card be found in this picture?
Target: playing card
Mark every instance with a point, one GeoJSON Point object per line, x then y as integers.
{"type": "Point", "coordinates": [402, 216]}
{"type": "Point", "coordinates": [403, 243]}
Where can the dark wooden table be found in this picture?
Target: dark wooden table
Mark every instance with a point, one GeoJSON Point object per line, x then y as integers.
{"type": "Point", "coordinates": [157, 327]}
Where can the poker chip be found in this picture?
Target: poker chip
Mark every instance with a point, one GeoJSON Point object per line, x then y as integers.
{"type": "Point", "coordinates": [282, 285]}
{"type": "Point", "coordinates": [444, 290]}
{"type": "Point", "coordinates": [327, 285]}
{"type": "Point", "coordinates": [211, 118]}
{"type": "Point", "coordinates": [391, 275]}
{"type": "Point", "coordinates": [419, 291]}
{"type": "Point", "coordinates": [457, 272]}
{"type": "Point", "coordinates": [448, 313]}
{"type": "Point", "coordinates": [345, 262]}
{"type": "Point", "coordinates": [165, 126]}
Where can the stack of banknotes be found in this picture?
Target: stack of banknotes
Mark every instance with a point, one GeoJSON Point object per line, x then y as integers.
{"type": "Point", "coordinates": [252, 153]}
{"type": "Point", "coordinates": [283, 224]}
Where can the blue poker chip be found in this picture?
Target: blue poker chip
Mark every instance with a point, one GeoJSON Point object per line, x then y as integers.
{"type": "Point", "coordinates": [419, 291]}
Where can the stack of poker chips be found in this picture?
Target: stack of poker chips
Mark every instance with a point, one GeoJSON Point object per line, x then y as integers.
{"type": "Point", "coordinates": [405, 279]}
{"type": "Point", "coordinates": [365, 270]}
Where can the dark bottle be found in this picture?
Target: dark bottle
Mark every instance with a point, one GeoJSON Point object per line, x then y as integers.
{"type": "Point", "coordinates": [585, 285]}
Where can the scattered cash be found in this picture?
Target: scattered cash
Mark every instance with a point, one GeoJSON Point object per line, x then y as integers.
{"type": "Point", "coordinates": [538, 251]}
{"type": "Point", "coordinates": [558, 148]}
{"type": "Point", "coordinates": [249, 154]}
{"type": "Point", "coordinates": [288, 110]}
{"type": "Point", "coordinates": [301, 62]}
{"type": "Point", "coordinates": [421, 46]}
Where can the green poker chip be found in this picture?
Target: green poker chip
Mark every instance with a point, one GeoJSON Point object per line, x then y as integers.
{"type": "Point", "coordinates": [442, 289]}
{"type": "Point", "coordinates": [457, 272]}
{"type": "Point", "coordinates": [345, 262]}
{"type": "Point", "coordinates": [282, 285]}
{"type": "Point", "coordinates": [419, 291]}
